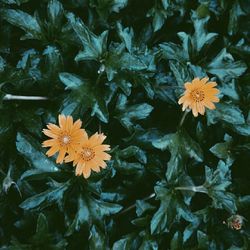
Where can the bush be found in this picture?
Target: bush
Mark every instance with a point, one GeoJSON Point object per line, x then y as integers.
{"type": "Point", "coordinates": [174, 181]}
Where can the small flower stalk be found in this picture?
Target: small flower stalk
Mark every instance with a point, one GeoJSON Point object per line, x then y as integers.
{"type": "Point", "coordinates": [72, 144]}
{"type": "Point", "coordinates": [199, 94]}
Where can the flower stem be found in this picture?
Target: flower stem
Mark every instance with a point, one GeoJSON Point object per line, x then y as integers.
{"type": "Point", "coordinates": [9, 97]}
{"type": "Point", "coordinates": [133, 206]}
{"type": "Point", "coordinates": [196, 189]}
{"type": "Point", "coordinates": [183, 118]}
{"type": "Point", "coordinates": [98, 78]}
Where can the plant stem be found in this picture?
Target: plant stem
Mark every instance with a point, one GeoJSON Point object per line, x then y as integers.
{"type": "Point", "coordinates": [9, 97]}
{"type": "Point", "coordinates": [183, 118]}
{"type": "Point", "coordinates": [98, 78]}
{"type": "Point", "coordinates": [196, 189]}
{"type": "Point", "coordinates": [133, 206]}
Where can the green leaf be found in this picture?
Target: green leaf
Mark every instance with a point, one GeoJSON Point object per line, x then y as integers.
{"type": "Point", "coordinates": [48, 197]}
{"type": "Point", "coordinates": [181, 147]}
{"type": "Point", "coordinates": [91, 210]}
{"type": "Point", "coordinates": [225, 67]}
{"type": "Point", "coordinates": [129, 168]}
{"type": "Point", "coordinates": [94, 46]}
{"type": "Point", "coordinates": [235, 13]}
{"type": "Point", "coordinates": [2, 64]}
{"type": "Point", "coordinates": [201, 39]}
{"type": "Point", "coordinates": [176, 242]}
{"type": "Point", "coordinates": [126, 35]}
{"type": "Point", "coordinates": [117, 60]}
{"type": "Point", "coordinates": [71, 81]}
{"type": "Point", "coordinates": [54, 61]}
{"type": "Point", "coordinates": [24, 21]}
{"type": "Point", "coordinates": [180, 72]}
{"type": "Point", "coordinates": [243, 129]}
{"type": "Point", "coordinates": [160, 219]}
{"type": "Point", "coordinates": [223, 150]}
{"type": "Point", "coordinates": [159, 17]}
{"type": "Point", "coordinates": [142, 207]}
{"type": "Point", "coordinates": [32, 152]}
{"type": "Point", "coordinates": [97, 239]}
{"type": "Point", "coordinates": [42, 225]}
{"type": "Point", "coordinates": [230, 89]}
{"type": "Point", "coordinates": [105, 8]}
{"type": "Point", "coordinates": [86, 95]}
{"type": "Point", "coordinates": [171, 209]}
{"type": "Point", "coordinates": [133, 151]}
{"type": "Point", "coordinates": [173, 51]}
{"type": "Point", "coordinates": [229, 113]}
{"type": "Point", "coordinates": [216, 183]}
{"type": "Point", "coordinates": [123, 244]}
{"type": "Point", "coordinates": [55, 12]}
{"type": "Point", "coordinates": [202, 239]}
{"type": "Point", "coordinates": [127, 115]}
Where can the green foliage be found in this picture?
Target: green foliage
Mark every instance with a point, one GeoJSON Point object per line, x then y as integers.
{"type": "Point", "coordinates": [120, 66]}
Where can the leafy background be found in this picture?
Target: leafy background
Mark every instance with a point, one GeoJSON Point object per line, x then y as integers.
{"type": "Point", "coordinates": [120, 66]}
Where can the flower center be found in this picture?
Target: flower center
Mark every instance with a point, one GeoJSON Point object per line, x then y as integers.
{"type": "Point", "coordinates": [65, 140]}
{"type": "Point", "coordinates": [197, 95]}
{"type": "Point", "coordinates": [87, 154]}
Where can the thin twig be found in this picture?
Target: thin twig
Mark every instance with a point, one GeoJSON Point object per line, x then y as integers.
{"type": "Point", "coordinates": [133, 206]}
{"type": "Point", "coordinates": [9, 97]}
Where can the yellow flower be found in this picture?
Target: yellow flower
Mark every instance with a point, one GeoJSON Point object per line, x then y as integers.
{"type": "Point", "coordinates": [199, 94]}
{"type": "Point", "coordinates": [66, 137]}
{"type": "Point", "coordinates": [90, 156]}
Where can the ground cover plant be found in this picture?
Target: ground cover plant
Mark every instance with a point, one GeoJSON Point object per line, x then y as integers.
{"type": "Point", "coordinates": [124, 124]}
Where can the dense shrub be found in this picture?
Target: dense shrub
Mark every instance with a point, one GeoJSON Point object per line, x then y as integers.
{"type": "Point", "coordinates": [120, 66]}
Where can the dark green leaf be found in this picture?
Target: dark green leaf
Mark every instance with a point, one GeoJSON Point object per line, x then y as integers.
{"type": "Point", "coordinates": [24, 21]}
{"type": "Point", "coordinates": [225, 67]}
{"type": "Point", "coordinates": [47, 198]}
{"type": "Point", "coordinates": [225, 112]}
{"type": "Point", "coordinates": [94, 46]}
{"type": "Point", "coordinates": [31, 150]}
{"type": "Point", "coordinates": [181, 147]}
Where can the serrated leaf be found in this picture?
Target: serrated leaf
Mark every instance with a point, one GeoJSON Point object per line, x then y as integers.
{"type": "Point", "coordinates": [181, 147]}
{"type": "Point", "coordinates": [85, 94]}
{"type": "Point", "coordinates": [32, 152]}
{"type": "Point", "coordinates": [55, 12]}
{"type": "Point", "coordinates": [229, 113]}
{"type": "Point", "coordinates": [223, 150]}
{"type": "Point", "coordinates": [127, 115]}
{"type": "Point", "coordinates": [133, 151]}
{"type": "Point", "coordinates": [225, 67]}
{"type": "Point", "coordinates": [71, 81]}
{"type": "Point", "coordinates": [24, 21]}
{"type": "Point", "coordinates": [201, 38]}
{"type": "Point", "coordinates": [171, 209]}
{"type": "Point", "coordinates": [97, 239]}
{"type": "Point", "coordinates": [216, 183]}
{"type": "Point", "coordinates": [173, 51]}
{"type": "Point", "coordinates": [126, 35]}
{"type": "Point", "coordinates": [105, 8]}
{"type": "Point", "coordinates": [180, 72]}
{"type": "Point", "coordinates": [176, 242]}
{"type": "Point", "coordinates": [142, 207]}
{"type": "Point", "coordinates": [94, 46]}
{"type": "Point", "coordinates": [91, 210]}
{"type": "Point", "coordinates": [46, 198]}
{"type": "Point", "coordinates": [235, 13]}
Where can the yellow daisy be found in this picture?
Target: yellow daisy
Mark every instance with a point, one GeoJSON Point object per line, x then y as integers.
{"type": "Point", "coordinates": [90, 156]}
{"type": "Point", "coordinates": [199, 94]}
{"type": "Point", "coordinates": [66, 137]}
